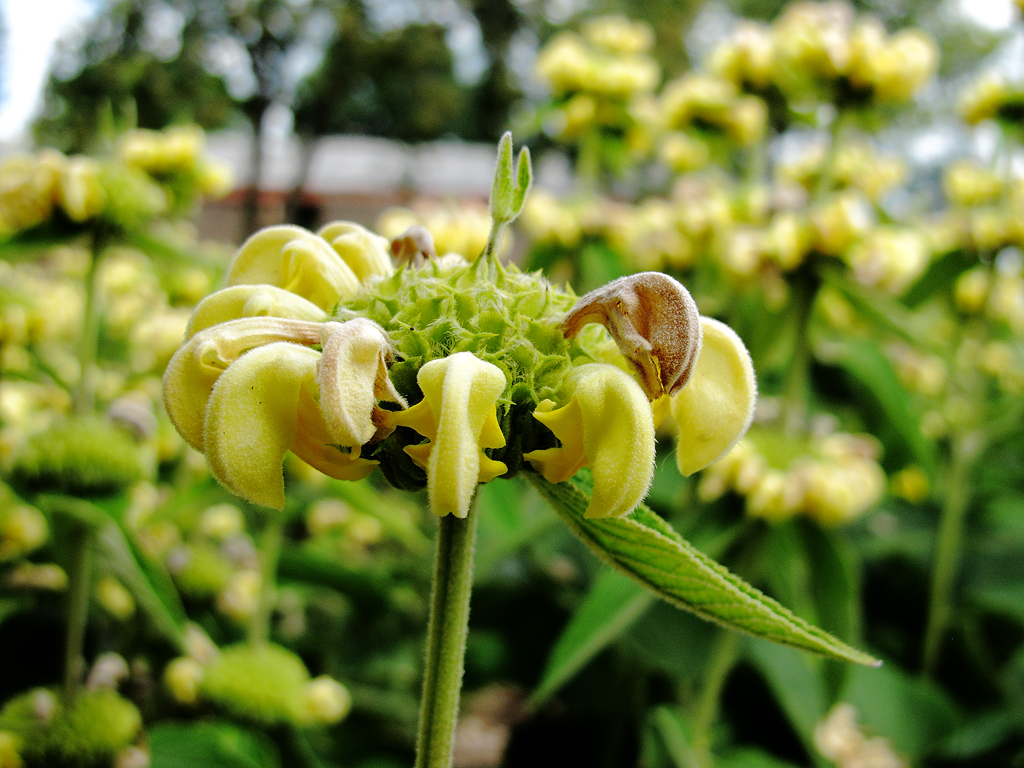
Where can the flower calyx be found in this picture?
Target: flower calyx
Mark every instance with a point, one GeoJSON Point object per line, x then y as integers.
{"type": "Point", "coordinates": [655, 323]}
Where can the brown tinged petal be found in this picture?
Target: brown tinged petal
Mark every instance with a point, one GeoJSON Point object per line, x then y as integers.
{"type": "Point", "coordinates": [654, 322]}
{"type": "Point", "coordinates": [352, 377]}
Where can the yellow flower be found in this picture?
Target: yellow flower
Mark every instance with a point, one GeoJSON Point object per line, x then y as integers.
{"type": "Point", "coordinates": [504, 372]}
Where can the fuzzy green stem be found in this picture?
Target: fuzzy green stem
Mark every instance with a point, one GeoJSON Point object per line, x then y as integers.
{"type": "Point", "coordinates": [84, 396]}
{"type": "Point", "coordinates": [493, 247]}
{"type": "Point", "coordinates": [270, 554]}
{"type": "Point", "coordinates": [722, 661]}
{"type": "Point", "coordinates": [947, 546]}
{"type": "Point", "coordinates": [79, 580]}
{"type": "Point", "coordinates": [446, 641]}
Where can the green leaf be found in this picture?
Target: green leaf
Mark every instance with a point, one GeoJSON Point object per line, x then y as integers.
{"type": "Point", "coordinates": [502, 189]}
{"type": "Point", "coordinates": [211, 745]}
{"type": "Point", "coordinates": [613, 603]}
{"type": "Point", "coordinates": [674, 732]}
{"type": "Point", "coordinates": [795, 683]}
{"type": "Point", "coordinates": [647, 549]}
{"type": "Point", "coordinates": [154, 595]}
{"type": "Point", "coordinates": [913, 713]}
{"type": "Point", "coordinates": [524, 179]}
{"type": "Point", "coordinates": [880, 309]}
{"type": "Point", "coordinates": [865, 362]}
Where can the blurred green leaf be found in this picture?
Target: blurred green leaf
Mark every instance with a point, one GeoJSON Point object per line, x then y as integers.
{"type": "Point", "coordinates": [674, 732]}
{"type": "Point", "coordinates": [516, 515]}
{"type": "Point", "coordinates": [913, 713]}
{"type": "Point", "coordinates": [210, 745]}
{"type": "Point", "coordinates": [154, 594]}
{"type": "Point", "coordinates": [750, 758]}
{"type": "Point", "coordinates": [878, 308]}
{"type": "Point", "coordinates": [648, 550]}
{"type": "Point", "coordinates": [867, 365]}
{"type": "Point", "coordinates": [613, 603]}
{"type": "Point", "coordinates": [795, 680]}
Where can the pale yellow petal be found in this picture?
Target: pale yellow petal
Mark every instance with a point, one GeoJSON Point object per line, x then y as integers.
{"type": "Point", "coordinates": [462, 392]}
{"type": "Point", "coordinates": [352, 376]}
{"type": "Point", "coordinates": [566, 423]}
{"type": "Point", "coordinates": [196, 366]}
{"type": "Point", "coordinates": [618, 438]}
{"type": "Point", "coordinates": [296, 260]}
{"type": "Point", "coordinates": [251, 301]}
{"type": "Point", "coordinates": [366, 253]}
{"type": "Point", "coordinates": [252, 419]}
{"type": "Point", "coordinates": [314, 444]}
{"type": "Point", "coordinates": [717, 405]}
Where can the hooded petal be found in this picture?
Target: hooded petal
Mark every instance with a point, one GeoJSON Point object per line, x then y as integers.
{"type": "Point", "coordinates": [609, 421]}
{"type": "Point", "coordinates": [460, 395]}
{"type": "Point", "coordinates": [252, 420]}
{"type": "Point", "coordinates": [365, 253]}
{"type": "Point", "coordinates": [196, 366]}
{"type": "Point", "coordinates": [716, 407]}
{"type": "Point", "coordinates": [296, 260]}
{"type": "Point", "coordinates": [315, 446]}
{"type": "Point", "coordinates": [352, 376]}
{"type": "Point", "coordinates": [653, 320]}
{"type": "Point", "coordinates": [251, 301]}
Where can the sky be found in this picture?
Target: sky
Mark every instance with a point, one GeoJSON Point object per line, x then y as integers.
{"type": "Point", "coordinates": [34, 26]}
{"type": "Point", "coordinates": [32, 30]}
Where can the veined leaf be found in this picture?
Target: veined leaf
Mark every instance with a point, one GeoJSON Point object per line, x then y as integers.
{"type": "Point", "coordinates": [613, 603]}
{"type": "Point", "coordinates": [648, 550]}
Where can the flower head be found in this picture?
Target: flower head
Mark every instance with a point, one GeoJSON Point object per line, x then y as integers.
{"type": "Point", "coordinates": [445, 373]}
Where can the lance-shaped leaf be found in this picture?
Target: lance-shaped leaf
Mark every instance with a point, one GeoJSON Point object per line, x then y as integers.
{"type": "Point", "coordinates": [715, 409]}
{"type": "Point", "coordinates": [252, 420]}
{"type": "Point", "coordinates": [352, 376]}
{"type": "Point", "coordinates": [240, 301]}
{"type": "Point", "coordinates": [607, 425]}
{"type": "Point", "coordinates": [654, 322]}
{"type": "Point", "coordinates": [196, 366]}
{"type": "Point", "coordinates": [296, 260]}
{"type": "Point", "coordinates": [647, 549]}
{"type": "Point", "coordinates": [366, 253]}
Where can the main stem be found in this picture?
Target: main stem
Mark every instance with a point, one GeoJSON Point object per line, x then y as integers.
{"type": "Point", "coordinates": [947, 547]}
{"type": "Point", "coordinates": [79, 579]}
{"type": "Point", "coordinates": [446, 640]}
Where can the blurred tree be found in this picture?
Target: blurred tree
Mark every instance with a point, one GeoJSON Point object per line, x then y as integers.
{"type": "Point", "coordinates": [117, 76]}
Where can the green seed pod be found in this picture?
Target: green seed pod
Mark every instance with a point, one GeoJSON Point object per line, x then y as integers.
{"type": "Point", "coordinates": [98, 725]}
{"type": "Point", "coordinates": [80, 457]}
{"type": "Point", "coordinates": [265, 684]}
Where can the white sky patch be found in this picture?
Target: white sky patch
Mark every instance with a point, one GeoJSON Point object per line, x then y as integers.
{"type": "Point", "coordinates": [989, 14]}
{"type": "Point", "coordinates": [32, 30]}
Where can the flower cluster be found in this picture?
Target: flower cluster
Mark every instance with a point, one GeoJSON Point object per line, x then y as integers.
{"type": "Point", "coordinates": [151, 174]}
{"type": "Point", "coordinates": [600, 79]}
{"type": "Point", "coordinates": [826, 50]}
{"type": "Point", "coordinates": [833, 478]}
{"type": "Point", "coordinates": [445, 373]}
